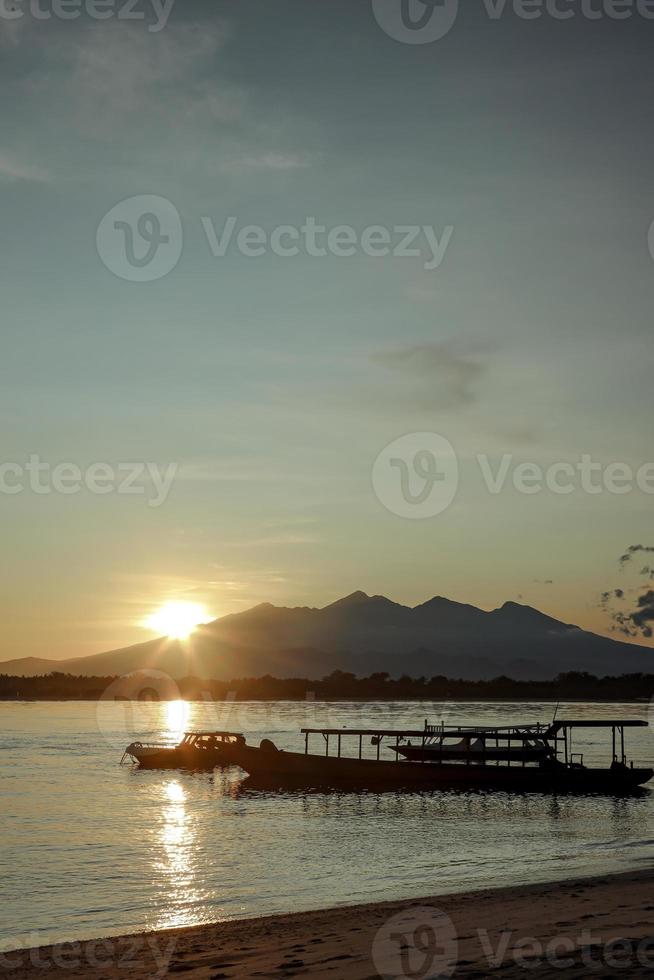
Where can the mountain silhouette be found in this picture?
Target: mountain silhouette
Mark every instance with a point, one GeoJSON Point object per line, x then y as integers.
{"type": "Point", "coordinates": [364, 634]}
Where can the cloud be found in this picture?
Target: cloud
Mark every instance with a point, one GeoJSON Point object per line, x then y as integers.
{"type": "Point", "coordinates": [124, 73]}
{"type": "Point", "coordinates": [634, 549]}
{"type": "Point", "coordinates": [633, 620]}
{"type": "Point", "coordinates": [226, 469]}
{"type": "Point", "coordinates": [440, 376]}
{"type": "Point", "coordinates": [277, 540]}
{"type": "Point", "coordinates": [11, 169]}
{"type": "Point", "coordinates": [523, 435]}
{"type": "Point", "coordinates": [637, 622]}
{"type": "Point", "coordinates": [141, 95]}
{"type": "Point", "coordinates": [644, 614]}
{"type": "Point", "coordinates": [247, 470]}
{"type": "Point", "coordinates": [274, 161]}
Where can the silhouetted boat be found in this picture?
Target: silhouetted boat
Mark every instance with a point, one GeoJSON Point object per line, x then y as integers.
{"type": "Point", "coordinates": [471, 750]}
{"type": "Point", "coordinates": [518, 758]}
{"type": "Point", "coordinates": [197, 750]}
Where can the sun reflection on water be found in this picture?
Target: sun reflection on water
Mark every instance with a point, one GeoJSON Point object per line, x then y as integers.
{"type": "Point", "coordinates": [175, 793]}
{"type": "Point", "coordinates": [176, 718]}
{"type": "Point", "coordinates": [176, 864]}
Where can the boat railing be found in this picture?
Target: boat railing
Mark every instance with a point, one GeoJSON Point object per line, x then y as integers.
{"type": "Point", "coordinates": [145, 745]}
{"type": "Point", "coordinates": [155, 745]}
{"type": "Point", "coordinates": [425, 737]}
{"type": "Point", "coordinates": [555, 736]}
{"type": "Point", "coordinates": [504, 731]}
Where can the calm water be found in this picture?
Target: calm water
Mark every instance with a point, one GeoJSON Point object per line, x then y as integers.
{"type": "Point", "coordinates": [89, 848]}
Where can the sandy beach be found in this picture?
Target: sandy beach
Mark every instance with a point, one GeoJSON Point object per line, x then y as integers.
{"type": "Point", "coordinates": [601, 927]}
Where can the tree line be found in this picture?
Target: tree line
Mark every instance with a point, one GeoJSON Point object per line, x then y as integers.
{"type": "Point", "coordinates": [340, 686]}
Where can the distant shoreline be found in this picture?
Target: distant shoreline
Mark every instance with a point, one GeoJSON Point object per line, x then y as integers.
{"type": "Point", "coordinates": [388, 700]}
{"type": "Point", "coordinates": [567, 929]}
{"type": "Point", "coordinates": [338, 686]}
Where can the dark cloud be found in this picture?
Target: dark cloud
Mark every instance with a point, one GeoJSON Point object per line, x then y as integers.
{"type": "Point", "coordinates": [637, 622]}
{"type": "Point", "coordinates": [633, 550]}
{"type": "Point", "coordinates": [611, 594]}
{"type": "Point", "coordinates": [441, 376]}
{"type": "Point", "coordinates": [644, 615]}
{"type": "Point", "coordinates": [634, 621]}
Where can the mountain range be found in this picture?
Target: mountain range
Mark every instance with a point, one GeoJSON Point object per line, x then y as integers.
{"type": "Point", "coordinates": [365, 634]}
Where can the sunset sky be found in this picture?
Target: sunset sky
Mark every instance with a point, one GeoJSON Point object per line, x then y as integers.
{"type": "Point", "coordinates": [273, 383]}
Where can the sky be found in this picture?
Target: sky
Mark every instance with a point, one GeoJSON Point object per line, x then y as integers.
{"type": "Point", "coordinates": [268, 385]}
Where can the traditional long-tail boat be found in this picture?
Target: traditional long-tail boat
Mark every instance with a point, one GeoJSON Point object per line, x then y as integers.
{"type": "Point", "coordinates": [522, 758]}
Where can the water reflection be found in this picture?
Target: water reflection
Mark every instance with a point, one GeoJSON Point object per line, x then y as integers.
{"type": "Point", "coordinates": [229, 783]}
{"type": "Point", "coordinates": [177, 865]}
{"type": "Point", "coordinates": [176, 848]}
{"type": "Point", "coordinates": [176, 718]}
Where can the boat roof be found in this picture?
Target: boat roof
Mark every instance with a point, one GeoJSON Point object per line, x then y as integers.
{"type": "Point", "coordinates": [604, 723]}
{"type": "Point", "coordinates": [513, 731]}
{"type": "Point", "coordinates": [235, 734]}
{"type": "Point", "coordinates": [507, 732]}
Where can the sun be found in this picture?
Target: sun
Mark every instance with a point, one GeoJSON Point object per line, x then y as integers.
{"type": "Point", "coordinates": [176, 619]}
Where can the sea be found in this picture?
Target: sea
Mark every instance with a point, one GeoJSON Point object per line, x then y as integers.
{"type": "Point", "coordinates": [92, 848]}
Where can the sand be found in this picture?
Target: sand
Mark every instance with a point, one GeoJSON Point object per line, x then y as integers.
{"type": "Point", "coordinates": [596, 927]}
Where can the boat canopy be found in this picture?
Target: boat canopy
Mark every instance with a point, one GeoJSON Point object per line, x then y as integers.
{"type": "Point", "coordinates": [512, 732]}
{"type": "Point", "coordinates": [508, 733]}
{"type": "Point", "coordinates": [214, 734]}
{"type": "Point", "coordinates": [557, 726]}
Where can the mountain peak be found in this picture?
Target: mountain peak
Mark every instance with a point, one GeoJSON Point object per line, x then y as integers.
{"type": "Point", "coordinates": [354, 599]}
{"type": "Point", "coordinates": [439, 601]}
{"type": "Point", "coordinates": [511, 604]}
{"type": "Point", "coordinates": [360, 598]}
{"type": "Point", "coordinates": [524, 615]}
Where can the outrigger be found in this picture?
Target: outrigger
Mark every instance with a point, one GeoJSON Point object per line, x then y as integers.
{"type": "Point", "coordinates": [197, 750]}
{"type": "Point", "coordinates": [519, 758]}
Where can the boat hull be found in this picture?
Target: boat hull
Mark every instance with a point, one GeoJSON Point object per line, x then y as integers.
{"type": "Point", "coordinates": [178, 758]}
{"type": "Point", "coordinates": [415, 753]}
{"type": "Point", "coordinates": [278, 768]}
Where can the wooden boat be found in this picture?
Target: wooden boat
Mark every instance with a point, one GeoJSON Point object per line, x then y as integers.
{"type": "Point", "coordinates": [555, 769]}
{"type": "Point", "coordinates": [197, 750]}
